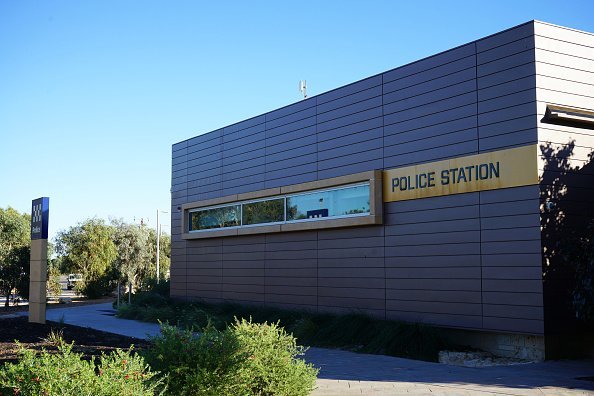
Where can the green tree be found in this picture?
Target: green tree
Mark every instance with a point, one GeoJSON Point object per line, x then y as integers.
{"type": "Point", "coordinates": [134, 253]}
{"type": "Point", "coordinates": [88, 249]}
{"type": "Point", "coordinates": [15, 234]}
{"type": "Point", "coordinates": [53, 272]}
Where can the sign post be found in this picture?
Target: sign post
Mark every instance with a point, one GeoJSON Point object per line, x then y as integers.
{"type": "Point", "coordinates": [38, 279]}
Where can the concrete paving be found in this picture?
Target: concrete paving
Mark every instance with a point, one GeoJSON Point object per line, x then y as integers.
{"type": "Point", "coordinates": [348, 373]}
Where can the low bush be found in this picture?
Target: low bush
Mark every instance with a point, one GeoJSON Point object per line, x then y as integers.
{"type": "Point", "coordinates": [356, 332]}
{"type": "Point", "coordinates": [244, 359]}
{"type": "Point", "coordinates": [66, 373]}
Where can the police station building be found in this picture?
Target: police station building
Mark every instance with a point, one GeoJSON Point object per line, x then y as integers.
{"type": "Point", "coordinates": [428, 193]}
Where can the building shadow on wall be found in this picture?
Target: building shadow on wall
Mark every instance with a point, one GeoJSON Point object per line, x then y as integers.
{"type": "Point", "coordinates": [567, 225]}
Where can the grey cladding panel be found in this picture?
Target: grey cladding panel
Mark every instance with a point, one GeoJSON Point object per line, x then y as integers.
{"type": "Point", "coordinates": [432, 62]}
{"type": "Point", "coordinates": [512, 74]}
{"type": "Point", "coordinates": [352, 139]}
{"type": "Point", "coordinates": [434, 154]}
{"type": "Point", "coordinates": [522, 58]}
{"type": "Point", "coordinates": [292, 108]}
{"type": "Point", "coordinates": [507, 36]}
{"type": "Point", "coordinates": [506, 50]}
{"type": "Point", "coordinates": [350, 89]}
{"type": "Point", "coordinates": [350, 109]}
{"type": "Point", "coordinates": [435, 260]}
{"type": "Point", "coordinates": [366, 125]}
{"type": "Point", "coordinates": [401, 101]}
{"type": "Point", "coordinates": [305, 113]}
{"type": "Point", "coordinates": [357, 97]}
{"type": "Point", "coordinates": [521, 84]}
{"type": "Point", "coordinates": [433, 142]}
{"type": "Point", "coordinates": [350, 168]}
{"type": "Point", "coordinates": [245, 124]}
{"type": "Point", "coordinates": [350, 119]}
{"type": "Point", "coordinates": [393, 114]}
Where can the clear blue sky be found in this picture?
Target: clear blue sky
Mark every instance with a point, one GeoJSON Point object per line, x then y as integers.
{"type": "Point", "coordinates": [94, 93]}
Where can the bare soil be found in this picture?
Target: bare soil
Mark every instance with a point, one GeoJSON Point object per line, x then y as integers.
{"type": "Point", "coordinates": [37, 337]}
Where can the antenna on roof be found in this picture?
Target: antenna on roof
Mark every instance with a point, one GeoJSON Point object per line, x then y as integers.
{"type": "Point", "coordinates": [303, 88]}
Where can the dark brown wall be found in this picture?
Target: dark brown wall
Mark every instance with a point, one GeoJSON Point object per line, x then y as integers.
{"type": "Point", "coordinates": [565, 76]}
{"type": "Point", "coordinates": [469, 260]}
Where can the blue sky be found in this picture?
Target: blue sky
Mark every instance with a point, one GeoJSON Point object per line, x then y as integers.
{"type": "Point", "coordinates": [94, 93]}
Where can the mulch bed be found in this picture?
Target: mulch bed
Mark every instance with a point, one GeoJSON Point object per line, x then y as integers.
{"type": "Point", "coordinates": [35, 336]}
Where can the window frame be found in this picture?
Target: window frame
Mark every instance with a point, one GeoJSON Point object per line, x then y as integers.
{"type": "Point", "coordinates": [373, 179]}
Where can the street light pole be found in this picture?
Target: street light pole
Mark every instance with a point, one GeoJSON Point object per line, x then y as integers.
{"type": "Point", "coordinates": [158, 237]}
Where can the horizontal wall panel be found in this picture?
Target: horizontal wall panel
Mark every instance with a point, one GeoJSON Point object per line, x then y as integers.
{"type": "Point", "coordinates": [358, 127]}
{"type": "Point", "coordinates": [347, 105]}
{"type": "Point", "coordinates": [433, 261]}
{"type": "Point", "coordinates": [499, 272]}
{"type": "Point", "coordinates": [434, 273]}
{"type": "Point", "coordinates": [393, 134]}
{"type": "Point", "coordinates": [350, 109]}
{"type": "Point", "coordinates": [292, 108]}
{"type": "Point", "coordinates": [469, 261]}
{"type": "Point", "coordinates": [436, 89]}
{"type": "Point", "coordinates": [434, 154]}
{"type": "Point", "coordinates": [442, 63]}
{"type": "Point", "coordinates": [433, 250]}
{"type": "Point", "coordinates": [350, 89]}
{"type": "Point", "coordinates": [505, 50]}
{"type": "Point", "coordinates": [449, 320]}
{"type": "Point", "coordinates": [516, 325]}
{"type": "Point", "coordinates": [434, 284]}
{"type": "Point", "coordinates": [350, 168]}
{"type": "Point", "coordinates": [460, 237]}
{"type": "Point", "coordinates": [349, 140]}
{"type": "Point", "coordinates": [434, 307]}
{"type": "Point", "coordinates": [434, 296]}
{"type": "Point", "coordinates": [507, 36]}
{"type": "Point", "coordinates": [509, 75]}
{"type": "Point", "coordinates": [245, 124]}
{"type": "Point", "coordinates": [507, 298]}
{"type": "Point", "coordinates": [350, 119]}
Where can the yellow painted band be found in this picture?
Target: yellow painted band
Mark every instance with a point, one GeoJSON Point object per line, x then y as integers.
{"type": "Point", "coordinates": [488, 171]}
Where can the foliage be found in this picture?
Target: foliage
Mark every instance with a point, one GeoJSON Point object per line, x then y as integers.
{"type": "Point", "coordinates": [244, 359]}
{"type": "Point", "coordinates": [53, 279]}
{"type": "Point", "coordinates": [355, 332]}
{"type": "Point", "coordinates": [134, 252]}
{"type": "Point", "coordinates": [580, 253]}
{"type": "Point", "coordinates": [65, 373]}
{"type": "Point", "coordinates": [88, 249]}
{"type": "Point", "coordinates": [567, 223]}
{"type": "Point", "coordinates": [15, 233]}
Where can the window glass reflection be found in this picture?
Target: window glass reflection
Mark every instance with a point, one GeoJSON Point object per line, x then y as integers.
{"type": "Point", "coordinates": [228, 216]}
{"type": "Point", "coordinates": [270, 211]}
{"type": "Point", "coordinates": [340, 202]}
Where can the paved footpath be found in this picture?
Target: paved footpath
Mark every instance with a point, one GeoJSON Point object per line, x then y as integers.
{"type": "Point", "coordinates": [348, 373]}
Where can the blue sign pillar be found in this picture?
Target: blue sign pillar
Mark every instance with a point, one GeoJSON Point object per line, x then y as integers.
{"type": "Point", "coordinates": [38, 277]}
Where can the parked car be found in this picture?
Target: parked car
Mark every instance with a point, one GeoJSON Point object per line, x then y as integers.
{"type": "Point", "coordinates": [72, 280]}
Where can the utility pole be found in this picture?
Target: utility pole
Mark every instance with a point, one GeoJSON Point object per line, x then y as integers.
{"type": "Point", "coordinates": [158, 237]}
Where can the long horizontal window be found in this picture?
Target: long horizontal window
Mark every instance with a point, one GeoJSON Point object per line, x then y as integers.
{"type": "Point", "coordinates": [346, 201]}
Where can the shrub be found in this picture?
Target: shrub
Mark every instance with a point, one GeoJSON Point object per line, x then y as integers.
{"type": "Point", "coordinates": [244, 359]}
{"type": "Point", "coordinates": [65, 373]}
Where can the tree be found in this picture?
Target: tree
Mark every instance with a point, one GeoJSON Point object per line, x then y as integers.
{"type": "Point", "coordinates": [567, 223]}
{"type": "Point", "coordinates": [133, 252]}
{"type": "Point", "coordinates": [88, 249]}
{"type": "Point", "coordinates": [15, 234]}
